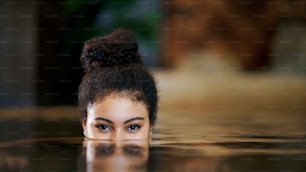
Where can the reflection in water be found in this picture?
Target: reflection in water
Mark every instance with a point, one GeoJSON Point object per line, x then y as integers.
{"type": "Point", "coordinates": [76, 154]}
{"type": "Point", "coordinates": [116, 156]}
{"type": "Point", "coordinates": [13, 162]}
{"type": "Point", "coordinates": [135, 155]}
{"type": "Point", "coordinates": [183, 159]}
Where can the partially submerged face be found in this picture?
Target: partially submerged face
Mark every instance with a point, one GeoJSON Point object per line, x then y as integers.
{"type": "Point", "coordinates": [117, 117]}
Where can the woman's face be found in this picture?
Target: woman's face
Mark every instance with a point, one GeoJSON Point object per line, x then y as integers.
{"type": "Point", "coordinates": [116, 117]}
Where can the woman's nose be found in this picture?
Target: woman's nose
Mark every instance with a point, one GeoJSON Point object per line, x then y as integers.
{"type": "Point", "coordinates": [118, 135]}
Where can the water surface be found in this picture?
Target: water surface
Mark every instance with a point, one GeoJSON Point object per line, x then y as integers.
{"type": "Point", "coordinates": [183, 140]}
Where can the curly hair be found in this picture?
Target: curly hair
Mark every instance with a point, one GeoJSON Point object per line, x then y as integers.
{"type": "Point", "coordinates": [112, 64]}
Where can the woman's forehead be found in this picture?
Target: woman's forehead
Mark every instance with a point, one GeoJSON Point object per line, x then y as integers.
{"type": "Point", "coordinates": [117, 108]}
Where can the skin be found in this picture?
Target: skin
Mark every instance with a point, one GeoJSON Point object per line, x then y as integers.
{"type": "Point", "coordinates": [117, 117]}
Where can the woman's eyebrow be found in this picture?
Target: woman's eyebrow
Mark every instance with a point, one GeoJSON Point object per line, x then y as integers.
{"type": "Point", "coordinates": [133, 119]}
{"type": "Point", "coordinates": [104, 119]}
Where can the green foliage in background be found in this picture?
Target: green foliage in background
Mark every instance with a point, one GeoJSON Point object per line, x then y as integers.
{"type": "Point", "coordinates": [82, 15]}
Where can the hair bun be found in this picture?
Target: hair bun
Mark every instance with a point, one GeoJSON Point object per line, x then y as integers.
{"type": "Point", "coordinates": [118, 48]}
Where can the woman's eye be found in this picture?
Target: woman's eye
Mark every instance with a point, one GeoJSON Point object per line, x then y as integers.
{"type": "Point", "coordinates": [103, 127]}
{"type": "Point", "coordinates": [134, 127]}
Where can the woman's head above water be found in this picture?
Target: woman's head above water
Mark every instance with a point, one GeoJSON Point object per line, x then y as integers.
{"type": "Point", "coordinates": [117, 95]}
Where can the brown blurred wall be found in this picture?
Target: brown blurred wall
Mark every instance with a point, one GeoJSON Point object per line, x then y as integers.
{"type": "Point", "coordinates": [243, 29]}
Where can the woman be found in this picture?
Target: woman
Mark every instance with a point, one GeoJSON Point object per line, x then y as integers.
{"type": "Point", "coordinates": [117, 95]}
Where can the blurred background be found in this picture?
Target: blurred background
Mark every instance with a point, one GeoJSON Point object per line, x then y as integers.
{"type": "Point", "coordinates": [238, 55]}
{"type": "Point", "coordinates": [41, 40]}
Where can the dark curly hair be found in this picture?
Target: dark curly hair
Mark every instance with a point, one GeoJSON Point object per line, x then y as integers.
{"type": "Point", "coordinates": [112, 64]}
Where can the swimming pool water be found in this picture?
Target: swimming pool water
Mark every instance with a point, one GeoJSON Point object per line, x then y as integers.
{"type": "Point", "coordinates": [183, 140]}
